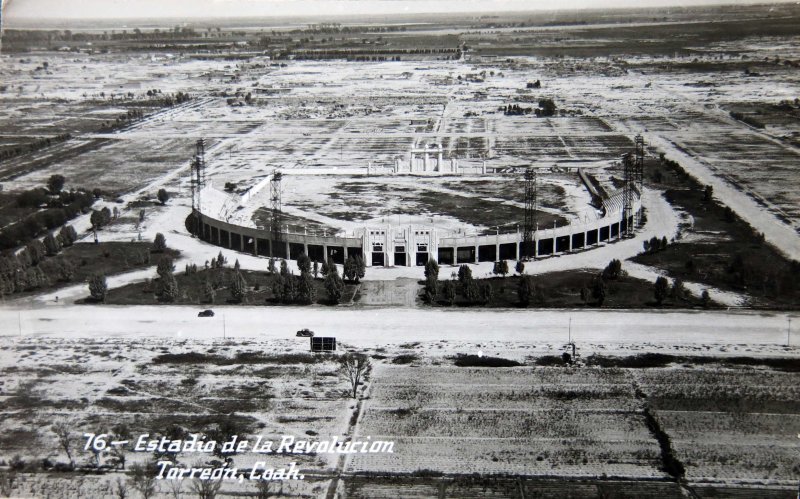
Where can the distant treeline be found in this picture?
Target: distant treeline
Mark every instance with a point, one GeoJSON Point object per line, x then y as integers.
{"type": "Point", "coordinates": [33, 146]}
{"type": "Point", "coordinates": [747, 119]}
{"type": "Point", "coordinates": [365, 54]}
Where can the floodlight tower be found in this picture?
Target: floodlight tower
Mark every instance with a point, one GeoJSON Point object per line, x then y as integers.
{"type": "Point", "coordinates": [275, 197]}
{"type": "Point", "coordinates": [531, 204]}
{"type": "Point", "coordinates": [198, 182]}
{"type": "Point", "coordinates": [638, 172]}
{"type": "Point", "coordinates": [198, 173]}
{"type": "Point", "coordinates": [627, 192]}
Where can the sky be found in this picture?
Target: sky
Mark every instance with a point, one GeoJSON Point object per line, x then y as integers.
{"type": "Point", "coordinates": [77, 9]}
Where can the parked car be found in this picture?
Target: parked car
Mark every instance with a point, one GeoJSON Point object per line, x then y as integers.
{"type": "Point", "coordinates": [307, 333]}
{"type": "Point", "coordinates": [206, 313]}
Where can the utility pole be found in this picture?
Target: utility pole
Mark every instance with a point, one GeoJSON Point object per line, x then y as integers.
{"type": "Point", "coordinates": [789, 332]}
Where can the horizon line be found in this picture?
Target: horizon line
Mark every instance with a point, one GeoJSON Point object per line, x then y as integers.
{"type": "Point", "coordinates": [434, 8]}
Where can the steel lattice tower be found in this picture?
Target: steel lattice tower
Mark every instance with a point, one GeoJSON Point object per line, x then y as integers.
{"type": "Point", "coordinates": [198, 182]}
{"type": "Point", "coordinates": [638, 171]}
{"type": "Point", "coordinates": [198, 173]}
{"type": "Point", "coordinates": [275, 197]}
{"type": "Point", "coordinates": [628, 190]}
{"type": "Point", "coordinates": [531, 204]}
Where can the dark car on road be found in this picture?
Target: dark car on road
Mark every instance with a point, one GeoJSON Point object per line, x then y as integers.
{"type": "Point", "coordinates": [206, 313]}
{"type": "Point", "coordinates": [307, 333]}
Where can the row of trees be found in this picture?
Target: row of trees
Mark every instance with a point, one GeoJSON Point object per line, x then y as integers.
{"type": "Point", "coordinates": [12, 152]}
{"type": "Point", "coordinates": [20, 272]}
{"type": "Point", "coordinates": [60, 208]}
{"type": "Point", "coordinates": [286, 287]}
{"type": "Point", "coordinates": [465, 285]}
{"type": "Point", "coordinates": [654, 245]}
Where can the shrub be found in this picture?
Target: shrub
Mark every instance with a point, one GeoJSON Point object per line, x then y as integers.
{"type": "Point", "coordinates": [484, 361]}
{"type": "Point", "coordinates": [159, 243]}
{"type": "Point", "coordinates": [407, 358]}
{"type": "Point", "coordinates": [163, 196]}
{"type": "Point", "coordinates": [98, 287]}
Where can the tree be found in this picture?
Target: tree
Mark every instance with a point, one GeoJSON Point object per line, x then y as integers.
{"type": "Point", "coordinates": [464, 274]}
{"type": "Point", "coordinates": [165, 267]}
{"type": "Point", "coordinates": [169, 288]}
{"type": "Point", "coordinates": [526, 290]}
{"type": "Point", "coordinates": [55, 183]}
{"type": "Point", "coordinates": [262, 489]}
{"type": "Point", "coordinates": [303, 263]}
{"type": "Point", "coordinates": [208, 291]}
{"type": "Point", "coordinates": [67, 235]}
{"type": "Point", "coordinates": [655, 244]}
{"type": "Point", "coordinates": [586, 293]}
{"type": "Point", "coordinates": [361, 267]}
{"type": "Point", "coordinates": [284, 268]}
{"type": "Point", "coordinates": [162, 196]}
{"type": "Point", "coordinates": [486, 293]}
{"type": "Point", "coordinates": [661, 289]}
{"type": "Point", "coordinates": [66, 439]}
{"type": "Point", "coordinates": [353, 367]}
{"type": "Point", "coordinates": [159, 243]}
{"type": "Point", "coordinates": [431, 289]}
{"type": "Point", "coordinates": [277, 287]}
{"type": "Point", "coordinates": [613, 270]}
{"type": "Point", "coordinates": [324, 269]}
{"type": "Point", "coordinates": [272, 268]}
{"type": "Point", "coordinates": [502, 268]}
{"type": "Point", "coordinates": [51, 245]}
{"type": "Point", "coordinates": [221, 260]}
{"type": "Point", "coordinates": [471, 290]}
{"type": "Point", "coordinates": [306, 292]}
{"type": "Point", "coordinates": [175, 487]}
{"type": "Point", "coordinates": [98, 287]}
{"type": "Point", "coordinates": [120, 488]}
{"type": "Point", "coordinates": [289, 288]}
{"type": "Point", "coordinates": [34, 252]}
{"type": "Point", "coordinates": [431, 269]}
{"type": "Point", "coordinates": [143, 481]}
{"type": "Point", "coordinates": [678, 291]}
{"type": "Point", "coordinates": [599, 291]}
{"type": "Point", "coordinates": [105, 213]}
{"type": "Point", "coordinates": [334, 285]}
{"type": "Point", "coordinates": [708, 194]}
{"type": "Point", "coordinates": [519, 267]}
{"type": "Point", "coordinates": [238, 287]}
{"type": "Point", "coordinates": [236, 265]}
{"type": "Point", "coordinates": [350, 271]}
{"type": "Point", "coordinates": [205, 489]}
{"type": "Point", "coordinates": [449, 292]}
{"type": "Point", "coordinates": [116, 454]}
{"type": "Point", "coordinates": [66, 270]}
{"type": "Point", "coordinates": [315, 269]}
{"type": "Point", "coordinates": [705, 298]}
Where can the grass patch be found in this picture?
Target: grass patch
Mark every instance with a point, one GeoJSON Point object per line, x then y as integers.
{"type": "Point", "coordinates": [242, 358]}
{"type": "Point", "coordinates": [732, 257]}
{"type": "Point", "coordinates": [654, 360]}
